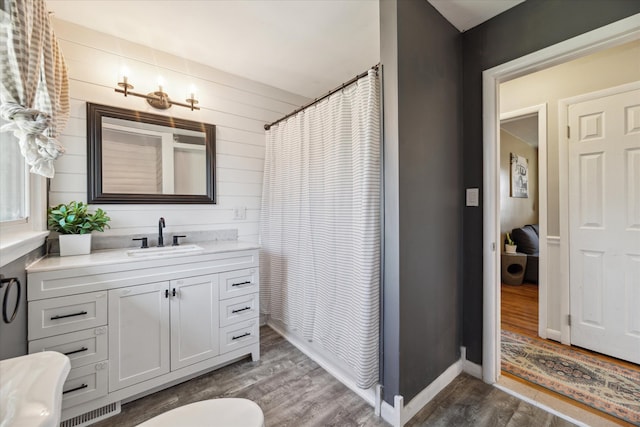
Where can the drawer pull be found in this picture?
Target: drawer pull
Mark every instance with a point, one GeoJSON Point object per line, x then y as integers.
{"type": "Point", "coordinates": [246, 334]}
{"type": "Point", "coordinates": [80, 387]}
{"type": "Point", "coordinates": [76, 351]}
{"type": "Point", "coordinates": [242, 283]}
{"type": "Point", "coordinates": [240, 309]}
{"type": "Point", "coordinates": [81, 313]}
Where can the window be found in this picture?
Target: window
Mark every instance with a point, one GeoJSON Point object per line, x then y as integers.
{"type": "Point", "coordinates": [14, 200]}
{"type": "Point", "coordinates": [23, 205]}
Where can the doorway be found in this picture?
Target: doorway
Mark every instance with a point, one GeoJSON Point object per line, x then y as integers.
{"type": "Point", "coordinates": [523, 212]}
{"type": "Point", "coordinates": [609, 36]}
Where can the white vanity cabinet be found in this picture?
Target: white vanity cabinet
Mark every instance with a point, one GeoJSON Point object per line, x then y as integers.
{"type": "Point", "coordinates": [139, 334]}
{"type": "Point", "coordinates": [160, 327]}
{"type": "Point", "coordinates": [134, 325]}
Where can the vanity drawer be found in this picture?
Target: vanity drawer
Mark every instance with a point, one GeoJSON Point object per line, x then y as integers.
{"type": "Point", "coordinates": [237, 309]}
{"type": "Point", "coordinates": [85, 383]}
{"type": "Point", "coordinates": [55, 316]}
{"type": "Point", "coordinates": [82, 348]}
{"type": "Point", "coordinates": [239, 335]}
{"type": "Point", "coordinates": [239, 282]}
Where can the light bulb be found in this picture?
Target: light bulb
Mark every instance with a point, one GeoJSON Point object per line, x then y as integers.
{"type": "Point", "coordinates": [192, 92]}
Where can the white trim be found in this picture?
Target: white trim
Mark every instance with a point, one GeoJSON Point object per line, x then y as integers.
{"type": "Point", "coordinates": [563, 181]}
{"type": "Point", "coordinates": [469, 367]}
{"type": "Point", "coordinates": [427, 394]}
{"type": "Point", "coordinates": [614, 34]}
{"type": "Point", "coordinates": [540, 405]}
{"type": "Point", "coordinates": [369, 395]}
{"type": "Point", "coordinates": [393, 414]}
{"type": "Point", "coordinates": [540, 111]}
{"type": "Point", "coordinates": [16, 245]}
{"type": "Point", "coordinates": [400, 414]}
{"type": "Point", "coordinates": [472, 369]}
{"type": "Point", "coordinates": [21, 237]}
{"type": "Point", "coordinates": [553, 334]}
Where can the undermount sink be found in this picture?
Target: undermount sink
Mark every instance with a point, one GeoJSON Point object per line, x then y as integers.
{"type": "Point", "coordinates": [164, 251]}
{"type": "Point", "coordinates": [31, 389]}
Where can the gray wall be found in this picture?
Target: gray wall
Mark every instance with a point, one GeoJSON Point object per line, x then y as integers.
{"type": "Point", "coordinates": [526, 28]}
{"type": "Point", "coordinates": [13, 336]}
{"type": "Point", "coordinates": [422, 79]}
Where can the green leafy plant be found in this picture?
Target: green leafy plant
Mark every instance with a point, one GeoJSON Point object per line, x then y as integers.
{"type": "Point", "coordinates": [508, 240]}
{"type": "Point", "coordinates": [74, 218]}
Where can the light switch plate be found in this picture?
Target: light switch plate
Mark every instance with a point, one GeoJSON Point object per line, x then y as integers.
{"type": "Point", "coordinates": [240, 213]}
{"type": "Point", "coordinates": [473, 196]}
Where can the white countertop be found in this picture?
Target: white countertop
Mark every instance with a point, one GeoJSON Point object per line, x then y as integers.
{"type": "Point", "coordinates": [120, 256]}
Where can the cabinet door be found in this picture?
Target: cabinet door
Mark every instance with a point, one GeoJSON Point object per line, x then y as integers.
{"type": "Point", "coordinates": [138, 334]}
{"type": "Point", "coordinates": [194, 320]}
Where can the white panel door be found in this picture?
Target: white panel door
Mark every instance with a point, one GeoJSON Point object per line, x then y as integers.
{"type": "Point", "coordinates": [194, 320]}
{"type": "Point", "coordinates": [138, 334]}
{"type": "Point", "coordinates": [604, 224]}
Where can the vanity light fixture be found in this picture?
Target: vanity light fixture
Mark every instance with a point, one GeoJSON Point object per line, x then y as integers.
{"type": "Point", "coordinates": [158, 99]}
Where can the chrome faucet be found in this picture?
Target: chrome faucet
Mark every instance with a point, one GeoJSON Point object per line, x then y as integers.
{"type": "Point", "coordinates": [161, 225]}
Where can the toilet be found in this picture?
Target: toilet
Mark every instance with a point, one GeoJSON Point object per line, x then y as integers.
{"type": "Point", "coordinates": [227, 412]}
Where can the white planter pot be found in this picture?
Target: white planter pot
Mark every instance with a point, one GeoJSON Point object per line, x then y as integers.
{"type": "Point", "coordinates": [75, 244]}
{"type": "Point", "coordinates": [510, 249]}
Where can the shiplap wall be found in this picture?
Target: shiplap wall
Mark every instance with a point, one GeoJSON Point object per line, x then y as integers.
{"type": "Point", "coordinates": [238, 107]}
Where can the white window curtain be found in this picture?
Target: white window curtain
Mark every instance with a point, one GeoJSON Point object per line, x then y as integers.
{"type": "Point", "coordinates": [320, 226]}
{"type": "Point", "coordinates": [34, 95]}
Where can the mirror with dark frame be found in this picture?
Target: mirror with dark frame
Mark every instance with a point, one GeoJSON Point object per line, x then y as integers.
{"type": "Point", "coordinates": [137, 157]}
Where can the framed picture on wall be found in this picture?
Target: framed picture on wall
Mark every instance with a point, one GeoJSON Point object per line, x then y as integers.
{"type": "Point", "coordinates": [519, 176]}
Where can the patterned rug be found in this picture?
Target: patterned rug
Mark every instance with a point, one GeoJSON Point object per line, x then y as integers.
{"type": "Point", "coordinates": [596, 383]}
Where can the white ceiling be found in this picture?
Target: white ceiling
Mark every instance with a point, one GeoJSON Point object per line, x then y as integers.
{"type": "Point", "coordinates": [466, 14]}
{"type": "Point", "coordinates": [306, 47]}
{"type": "Point", "coordinates": [525, 129]}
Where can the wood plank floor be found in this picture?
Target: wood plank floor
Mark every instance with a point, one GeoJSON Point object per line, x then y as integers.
{"type": "Point", "coordinates": [293, 390]}
{"type": "Point", "coordinates": [519, 314]}
{"type": "Point", "coordinates": [519, 308]}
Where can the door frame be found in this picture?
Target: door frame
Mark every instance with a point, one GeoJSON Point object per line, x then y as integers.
{"type": "Point", "coordinates": [563, 182]}
{"type": "Point", "coordinates": [608, 36]}
{"type": "Point", "coordinates": [540, 111]}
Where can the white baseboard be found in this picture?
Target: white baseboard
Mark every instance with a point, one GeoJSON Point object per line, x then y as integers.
{"type": "Point", "coordinates": [469, 367]}
{"type": "Point", "coordinates": [554, 335]}
{"type": "Point", "coordinates": [326, 362]}
{"type": "Point", "coordinates": [399, 414]}
{"type": "Point", "coordinates": [426, 395]}
{"type": "Point", "coordinates": [472, 369]}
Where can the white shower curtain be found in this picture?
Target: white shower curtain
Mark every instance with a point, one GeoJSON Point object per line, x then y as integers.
{"type": "Point", "coordinates": [320, 226]}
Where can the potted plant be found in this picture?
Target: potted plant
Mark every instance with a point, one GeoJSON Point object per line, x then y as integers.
{"type": "Point", "coordinates": [509, 245]}
{"type": "Point", "coordinates": [75, 223]}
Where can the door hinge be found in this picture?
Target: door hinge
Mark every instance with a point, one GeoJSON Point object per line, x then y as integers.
{"type": "Point", "coordinates": [568, 132]}
{"type": "Point", "coordinates": [569, 319]}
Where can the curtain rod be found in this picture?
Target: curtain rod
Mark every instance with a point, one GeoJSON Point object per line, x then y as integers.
{"type": "Point", "coordinates": [315, 101]}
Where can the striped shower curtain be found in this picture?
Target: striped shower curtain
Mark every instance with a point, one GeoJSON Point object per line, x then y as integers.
{"type": "Point", "coordinates": [320, 226]}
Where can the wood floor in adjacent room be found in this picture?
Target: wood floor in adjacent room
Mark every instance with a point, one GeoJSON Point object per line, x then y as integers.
{"type": "Point", "coordinates": [292, 390]}
{"type": "Point", "coordinates": [519, 314]}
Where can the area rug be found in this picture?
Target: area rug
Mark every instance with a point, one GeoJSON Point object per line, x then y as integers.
{"type": "Point", "coordinates": [596, 383]}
